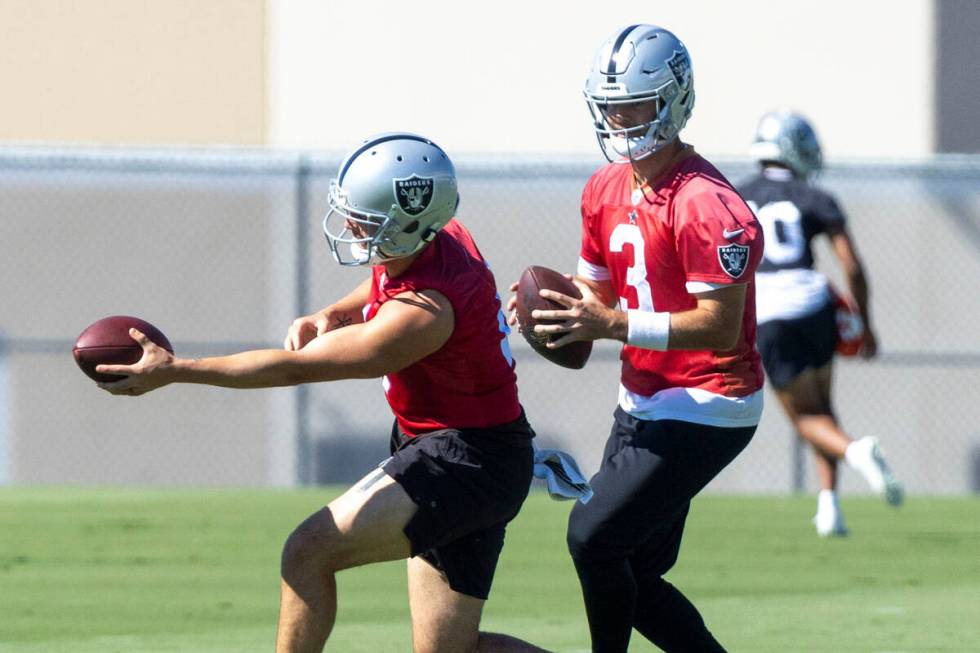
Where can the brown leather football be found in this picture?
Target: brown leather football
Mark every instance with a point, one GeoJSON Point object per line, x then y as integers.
{"type": "Point", "coordinates": [107, 341]}
{"type": "Point", "coordinates": [573, 355]}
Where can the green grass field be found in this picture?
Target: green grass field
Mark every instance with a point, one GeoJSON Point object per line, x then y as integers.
{"type": "Point", "coordinates": [91, 571]}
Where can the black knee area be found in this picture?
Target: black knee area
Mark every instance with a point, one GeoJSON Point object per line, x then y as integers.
{"type": "Point", "coordinates": [577, 540]}
{"type": "Point", "coordinates": [586, 542]}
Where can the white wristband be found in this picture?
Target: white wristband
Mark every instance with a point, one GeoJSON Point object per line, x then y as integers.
{"type": "Point", "coordinates": [647, 330]}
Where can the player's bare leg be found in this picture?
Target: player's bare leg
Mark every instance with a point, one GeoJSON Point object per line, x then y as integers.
{"type": "Point", "coordinates": [362, 526]}
{"type": "Point", "coordinates": [863, 454]}
{"type": "Point", "coordinates": [826, 469]}
{"type": "Point", "coordinates": [829, 519]}
{"type": "Point", "coordinates": [807, 403]}
{"type": "Point", "coordinates": [826, 461]}
{"type": "Point", "coordinates": [445, 621]}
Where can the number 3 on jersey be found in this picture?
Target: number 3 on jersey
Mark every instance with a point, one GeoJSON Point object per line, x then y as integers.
{"type": "Point", "coordinates": [636, 274]}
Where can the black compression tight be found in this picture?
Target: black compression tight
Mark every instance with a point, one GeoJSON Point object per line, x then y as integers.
{"type": "Point", "coordinates": [615, 604]}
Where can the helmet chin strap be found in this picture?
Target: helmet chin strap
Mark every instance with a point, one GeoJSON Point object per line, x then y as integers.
{"type": "Point", "coordinates": [381, 256]}
{"type": "Point", "coordinates": [634, 159]}
{"type": "Point", "coordinates": [360, 254]}
{"type": "Point", "coordinates": [649, 141]}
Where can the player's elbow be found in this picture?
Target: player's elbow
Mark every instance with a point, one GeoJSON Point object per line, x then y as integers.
{"type": "Point", "coordinates": [727, 340]}
{"type": "Point", "coordinates": [723, 335]}
{"type": "Point", "coordinates": [372, 367]}
{"type": "Point", "coordinates": [291, 376]}
{"type": "Point", "coordinates": [371, 370]}
{"type": "Point", "coordinates": [853, 269]}
{"type": "Point", "coordinates": [372, 364]}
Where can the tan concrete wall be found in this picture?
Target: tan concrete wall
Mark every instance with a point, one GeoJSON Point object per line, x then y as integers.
{"type": "Point", "coordinates": [122, 71]}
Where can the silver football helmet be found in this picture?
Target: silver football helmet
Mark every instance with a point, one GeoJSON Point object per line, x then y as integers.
{"type": "Point", "coordinates": [787, 138]}
{"type": "Point", "coordinates": [392, 194]}
{"type": "Point", "coordinates": [640, 64]}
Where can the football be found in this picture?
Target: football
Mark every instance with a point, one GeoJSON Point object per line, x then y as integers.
{"type": "Point", "coordinates": [535, 278]}
{"type": "Point", "coordinates": [108, 341]}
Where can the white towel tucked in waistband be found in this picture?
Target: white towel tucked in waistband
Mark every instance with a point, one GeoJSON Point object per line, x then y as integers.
{"type": "Point", "coordinates": [560, 471]}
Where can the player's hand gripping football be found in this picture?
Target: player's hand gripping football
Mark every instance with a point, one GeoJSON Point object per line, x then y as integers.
{"type": "Point", "coordinates": [582, 319]}
{"type": "Point", "coordinates": [149, 373]}
{"type": "Point", "coordinates": [512, 307]}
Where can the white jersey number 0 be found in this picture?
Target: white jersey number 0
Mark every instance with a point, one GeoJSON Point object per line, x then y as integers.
{"type": "Point", "coordinates": [782, 226]}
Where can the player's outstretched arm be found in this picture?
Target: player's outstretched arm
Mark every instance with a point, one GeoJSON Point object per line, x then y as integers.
{"type": "Point", "coordinates": [344, 312]}
{"type": "Point", "coordinates": [857, 283]}
{"type": "Point", "coordinates": [405, 330]}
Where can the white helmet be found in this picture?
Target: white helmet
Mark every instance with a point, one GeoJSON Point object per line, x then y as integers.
{"type": "Point", "coordinates": [641, 63]}
{"type": "Point", "coordinates": [391, 196]}
{"type": "Point", "coordinates": [786, 137]}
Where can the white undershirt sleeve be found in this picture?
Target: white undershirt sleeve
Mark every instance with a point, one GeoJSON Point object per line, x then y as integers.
{"type": "Point", "coordinates": [591, 271]}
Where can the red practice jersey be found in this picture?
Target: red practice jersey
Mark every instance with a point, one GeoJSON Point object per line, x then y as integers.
{"type": "Point", "coordinates": [689, 232]}
{"type": "Point", "coordinates": [470, 381]}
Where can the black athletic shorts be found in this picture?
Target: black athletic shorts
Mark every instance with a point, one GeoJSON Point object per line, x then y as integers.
{"type": "Point", "coordinates": [790, 346]}
{"type": "Point", "coordinates": [468, 484]}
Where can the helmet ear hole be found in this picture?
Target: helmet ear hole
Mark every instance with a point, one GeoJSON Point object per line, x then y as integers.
{"type": "Point", "coordinates": [411, 227]}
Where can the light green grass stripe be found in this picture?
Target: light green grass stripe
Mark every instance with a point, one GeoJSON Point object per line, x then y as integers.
{"type": "Point", "coordinates": [86, 570]}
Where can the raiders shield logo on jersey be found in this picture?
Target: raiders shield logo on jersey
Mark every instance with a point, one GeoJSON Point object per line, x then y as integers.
{"type": "Point", "coordinates": [733, 259]}
{"type": "Point", "coordinates": [414, 193]}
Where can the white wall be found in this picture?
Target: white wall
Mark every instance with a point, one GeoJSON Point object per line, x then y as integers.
{"type": "Point", "coordinates": [506, 76]}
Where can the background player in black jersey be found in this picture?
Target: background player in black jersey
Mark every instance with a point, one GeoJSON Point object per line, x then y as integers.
{"type": "Point", "coordinates": [795, 307]}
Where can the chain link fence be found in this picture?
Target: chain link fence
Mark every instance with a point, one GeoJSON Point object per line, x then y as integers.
{"type": "Point", "coordinates": [221, 249]}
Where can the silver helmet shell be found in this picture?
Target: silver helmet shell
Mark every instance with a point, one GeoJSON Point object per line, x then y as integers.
{"type": "Point", "coordinates": [785, 137]}
{"type": "Point", "coordinates": [392, 194]}
{"type": "Point", "coordinates": [641, 63]}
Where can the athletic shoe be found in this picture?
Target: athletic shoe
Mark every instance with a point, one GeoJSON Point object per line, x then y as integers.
{"type": "Point", "coordinates": [865, 455]}
{"type": "Point", "coordinates": [830, 524]}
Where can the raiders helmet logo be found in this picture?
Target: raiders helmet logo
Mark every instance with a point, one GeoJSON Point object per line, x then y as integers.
{"type": "Point", "coordinates": [680, 66]}
{"type": "Point", "coordinates": [733, 259]}
{"type": "Point", "coordinates": [414, 193]}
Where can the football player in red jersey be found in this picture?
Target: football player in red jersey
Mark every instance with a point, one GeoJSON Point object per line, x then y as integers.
{"type": "Point", "coordinates": [796, 307]}
{"type": "Point", "coordinates": [429, 322]}
{"type": "Point", "coordinates": [668, 257]}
